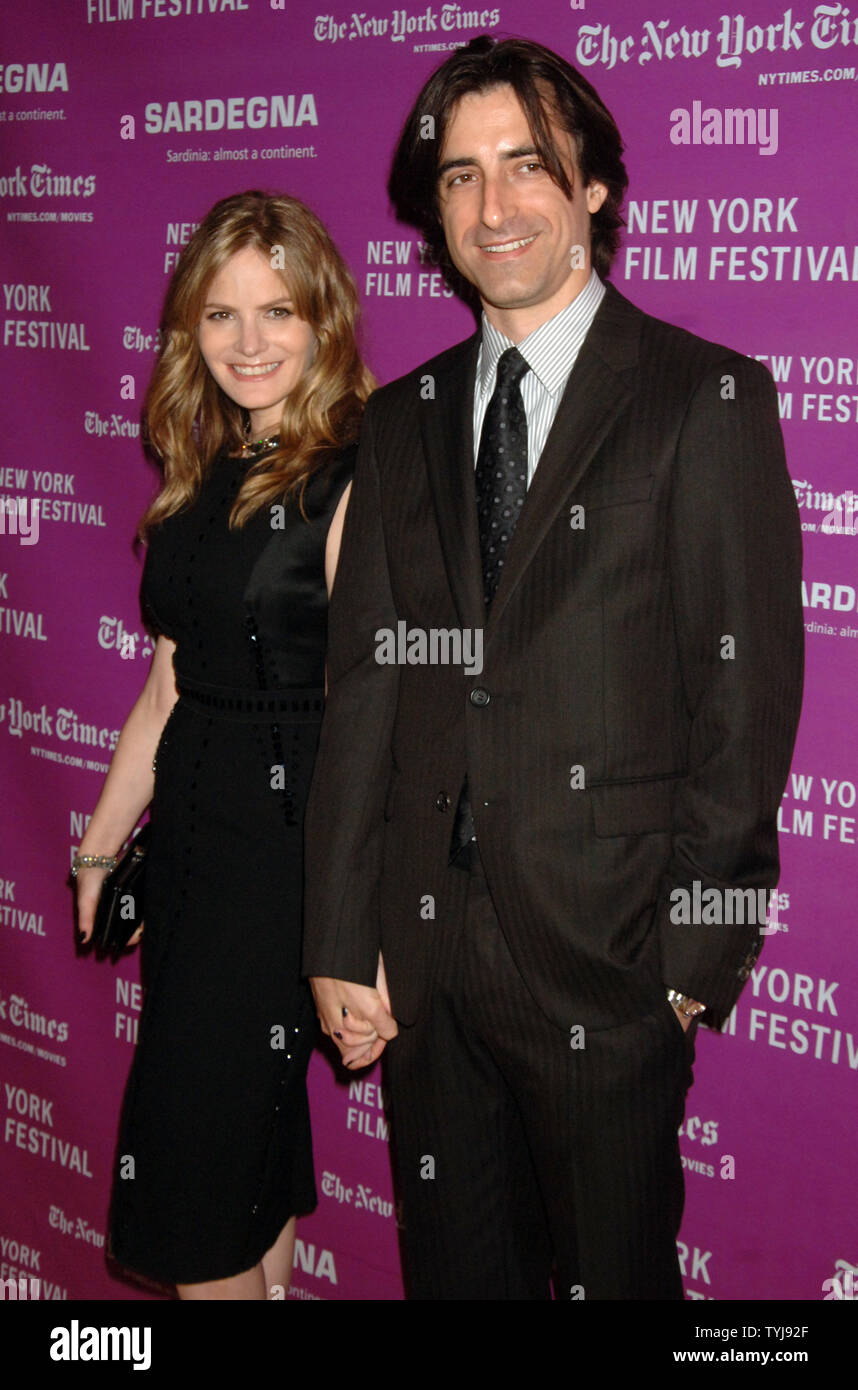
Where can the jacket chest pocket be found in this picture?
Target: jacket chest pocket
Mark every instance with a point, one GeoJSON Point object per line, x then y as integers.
{"type": "Point", "coordinates": [612, 494]}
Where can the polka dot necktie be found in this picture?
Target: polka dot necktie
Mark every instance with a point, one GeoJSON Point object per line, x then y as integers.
{"type": "Point", "coordinates": [501, 472]}
{"type": "Point", "coordinates": [500, 478]}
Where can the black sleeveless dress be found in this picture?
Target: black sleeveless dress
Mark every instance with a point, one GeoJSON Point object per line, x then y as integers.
{"type": "Point", "coordinates": [214, 1152]}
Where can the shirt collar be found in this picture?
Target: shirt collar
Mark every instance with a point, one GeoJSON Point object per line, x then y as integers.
{"type": "Point", "coordinates": [550, 350]}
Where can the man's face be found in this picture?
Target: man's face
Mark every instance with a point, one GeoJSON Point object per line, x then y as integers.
{"type": "Point", "coordinates": [510, 230]}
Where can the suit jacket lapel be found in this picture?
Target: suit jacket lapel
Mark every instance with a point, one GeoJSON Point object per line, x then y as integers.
{"type": "Point", "coordinates": [447, 425]}
{"type": "Point", "coordinates": [602, 381]}
{"type": "Point", "coordinates": [600, 384]}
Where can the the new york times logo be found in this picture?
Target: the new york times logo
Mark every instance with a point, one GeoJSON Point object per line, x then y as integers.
{"type": "Point", "coordinates": [433, 646]}
{"type": "Point", "coordinates": [76, 1343]}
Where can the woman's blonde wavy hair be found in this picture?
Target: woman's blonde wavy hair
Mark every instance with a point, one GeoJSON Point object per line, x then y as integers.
{"type": "Point", "coordinates": [189, 419]}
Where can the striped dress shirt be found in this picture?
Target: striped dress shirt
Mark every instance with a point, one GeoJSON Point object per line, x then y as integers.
{"type": "Point", "coordinates": [550, 352]}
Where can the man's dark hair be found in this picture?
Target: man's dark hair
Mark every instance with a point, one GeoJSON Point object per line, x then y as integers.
{"type": "Point", "coordinates": [538, 77]}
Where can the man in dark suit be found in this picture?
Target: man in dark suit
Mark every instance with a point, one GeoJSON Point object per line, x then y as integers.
{"type": "Point", "coordinates": [497, 852]}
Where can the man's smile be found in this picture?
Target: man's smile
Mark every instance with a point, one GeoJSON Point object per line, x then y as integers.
{"type": "Point", "coordinates": [502, 247]}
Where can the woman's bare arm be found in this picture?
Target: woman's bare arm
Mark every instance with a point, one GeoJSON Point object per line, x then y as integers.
{"type": "Point", "coordinates": [129, 783]}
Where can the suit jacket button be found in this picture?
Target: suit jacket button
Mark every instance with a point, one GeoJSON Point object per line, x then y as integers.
{"type": "Point", "coordinates": [442, 802]}
{"type": "Point", "coordinates": [479, 696]}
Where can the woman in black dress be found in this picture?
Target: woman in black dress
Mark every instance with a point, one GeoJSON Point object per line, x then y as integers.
{"type": "Point", "coordinates": [254, 408]}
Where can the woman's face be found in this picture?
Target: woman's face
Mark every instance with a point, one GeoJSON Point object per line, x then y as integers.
{"type": "Point", "coordinates": [252, 342]}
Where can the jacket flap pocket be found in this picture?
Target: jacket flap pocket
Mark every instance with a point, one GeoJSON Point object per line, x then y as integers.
{"type": "Point", "coordinates": [633, 808]}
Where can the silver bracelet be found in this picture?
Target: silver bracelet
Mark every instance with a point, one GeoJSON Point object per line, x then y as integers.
{"type": "Point", "coordinates": [92, 861]}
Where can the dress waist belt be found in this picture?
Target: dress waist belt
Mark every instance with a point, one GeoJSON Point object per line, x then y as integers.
{"type": "Point", "coordinates": [295, 705]}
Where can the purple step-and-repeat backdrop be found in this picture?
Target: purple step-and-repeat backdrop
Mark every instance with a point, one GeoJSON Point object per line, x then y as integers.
{"type": "Point", "coordinates": [122, 122]}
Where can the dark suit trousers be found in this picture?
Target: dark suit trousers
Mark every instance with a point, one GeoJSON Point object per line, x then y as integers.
{"type": "Point", "coordinates": [517, 1149]}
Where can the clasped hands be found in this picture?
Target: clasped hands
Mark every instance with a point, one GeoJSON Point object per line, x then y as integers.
{"type": "Point", "coordinates": [357, 1017]}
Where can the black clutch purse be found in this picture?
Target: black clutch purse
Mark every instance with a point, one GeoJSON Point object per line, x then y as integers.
{"type": "Point", "coordinates": [120, 907]}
